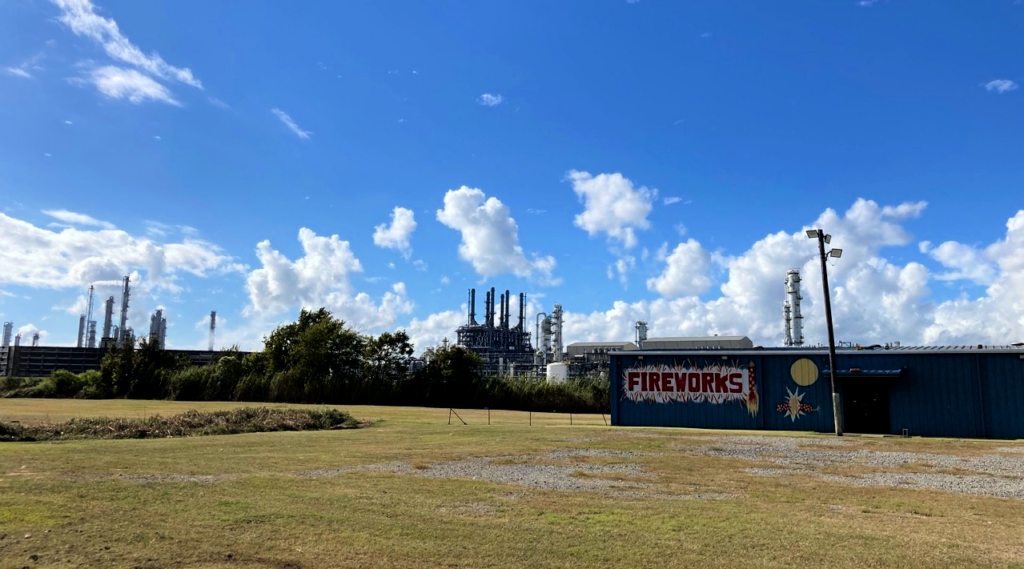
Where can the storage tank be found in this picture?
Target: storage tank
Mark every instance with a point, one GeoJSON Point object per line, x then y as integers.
{"type": "Point", "coordinates": [558, 372]}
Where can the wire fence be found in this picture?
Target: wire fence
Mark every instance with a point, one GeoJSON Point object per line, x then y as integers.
{"type": "Point", "coordinates": [520, 418]}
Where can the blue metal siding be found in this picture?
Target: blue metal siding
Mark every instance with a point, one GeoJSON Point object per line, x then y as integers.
{"type": "Point", "coordinates": [939, 393]}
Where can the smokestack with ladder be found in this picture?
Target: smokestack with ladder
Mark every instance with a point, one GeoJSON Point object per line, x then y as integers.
{"type": "Point", "coordinates": [90, 324]}
{"type": "Point", "coordinates": [8, 329]}
{"type": "Point", "coordinates": [108, 322]}
{"type": "Point", "coordinates": [490, 317]}
{"type": "Point", "coordinates": [522, 312]}
{"type": "Point", "coordinates": [81, 331]}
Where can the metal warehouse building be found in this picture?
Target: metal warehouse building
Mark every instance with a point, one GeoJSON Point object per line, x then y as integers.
{"type": "Point", "coordinates": [975, 392]}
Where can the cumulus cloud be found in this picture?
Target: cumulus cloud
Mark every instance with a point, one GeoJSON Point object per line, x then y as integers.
{"type": "Point", "coordinates": [671, 200]}
{"type": "Point", "coordinates": [1001, 86]}
{"type": "Point", "coordinates": [74, 218]}
{"type": "Point", "coordinates": [396, 236]}
{"type": "Point", "coordinates": [121, 83]}
{"type": "Point", "coordinates": [288, 122]}
{"type": "Point", "coordinates": [489, 100]}
{"type": "Point", "coordinates": [685, 272]}
{"type": "Point", "coordinates": [874, 300]}
{"type": "Point", "coordinates": [77, 257]}
{"type": "Point", "coordinates": [320, 278]}
{"type": "Point", "coordinates": [490, 237]}
{"type": "Point", "coordinates": [81, 18]}
{"type": "Point", "coordinates": [612, 205]}
{"type": "Point", "coordinates": [431, 331]}
{"type": "Point", "coordinates": [622, 267]}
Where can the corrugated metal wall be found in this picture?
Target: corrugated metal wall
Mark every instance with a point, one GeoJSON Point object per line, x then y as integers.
{"type": "Point", "coordinates": [954, 393]}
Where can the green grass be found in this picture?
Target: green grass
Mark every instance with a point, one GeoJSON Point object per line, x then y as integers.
{"type": "Point", "coordinates": [84, 506]}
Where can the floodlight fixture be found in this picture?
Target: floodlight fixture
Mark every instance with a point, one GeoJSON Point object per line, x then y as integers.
{"type": "Point", "coordinates": [812, 233]}
{"type": "Point", "coordinates": [835, 253]}
{"type": "Point", "coordinates": [828, 239]}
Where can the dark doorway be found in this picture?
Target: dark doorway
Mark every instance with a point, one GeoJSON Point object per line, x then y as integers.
{"type": "Point", "coordinates": [865, 406]}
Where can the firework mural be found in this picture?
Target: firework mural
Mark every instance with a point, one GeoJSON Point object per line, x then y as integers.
{"type": "Point", "coordinates": [716, 383]}
{"type": "Point", "coordinates": [794, 406]}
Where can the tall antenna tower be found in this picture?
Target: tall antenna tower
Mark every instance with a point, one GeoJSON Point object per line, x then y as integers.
{"type": "Point", "coordinates": [213, 327]}
{"type": "Point", "coordinates": [89, 322]}
{"type": "Point", "coordinates": [794, 321]}
{"type": "Point", "coordinates": [123, 326]}
{"type": "Point", "coordinates": [8, 329]}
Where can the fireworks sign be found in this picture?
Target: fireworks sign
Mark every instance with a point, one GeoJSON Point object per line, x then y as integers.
{"type": "Point", "coordinates": [717, 383]}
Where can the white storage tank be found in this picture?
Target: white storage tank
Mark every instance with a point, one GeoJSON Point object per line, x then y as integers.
{"type": "Point", "coordinates": [558, 372]}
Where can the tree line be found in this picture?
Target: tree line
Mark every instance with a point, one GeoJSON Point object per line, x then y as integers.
{"type": "Point", "coordinates": [318, 359]}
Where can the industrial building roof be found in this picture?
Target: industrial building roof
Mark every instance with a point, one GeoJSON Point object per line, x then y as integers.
{"type": "Point", "coordinates": [601, 344]}
{"type": "Point", "coordinates": [823, 350]}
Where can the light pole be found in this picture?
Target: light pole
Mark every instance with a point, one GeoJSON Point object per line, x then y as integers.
{"type": "Point", "coordinates": [822, 240]}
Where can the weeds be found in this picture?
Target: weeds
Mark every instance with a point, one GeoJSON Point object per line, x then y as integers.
{"type": "Point", "coordinates": [187, 424]}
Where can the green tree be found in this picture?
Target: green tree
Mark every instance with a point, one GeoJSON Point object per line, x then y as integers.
{"type": "Point", "coordinates": [386, 361]}
{"type": "Point", "coordinates": [452, 378]}
{"type": "Point", "coordinates": [315, 359]}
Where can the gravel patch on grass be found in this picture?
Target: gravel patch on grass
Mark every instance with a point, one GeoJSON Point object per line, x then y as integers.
{"type": "Point", "coordinates": [987, 475]}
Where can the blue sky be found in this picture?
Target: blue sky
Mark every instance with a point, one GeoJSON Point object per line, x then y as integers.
{"type": "Point", "coordinates": [645, 159]}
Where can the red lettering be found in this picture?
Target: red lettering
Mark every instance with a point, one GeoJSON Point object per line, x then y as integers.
{"type": "Point", "coordinates": [643, 381]}
{"type": "Point", "coordinates": [680, 382]}
{"type": "Point", "coordinates": [667, 381]}
{"type": "Point", "coordinates": [653, 381]}
{"type": "Point", "coordinates": [693, 383]}
{"type": "Point", "coordinates": [632, 380]}
{"type": "Point", "coordinates": [735, 383]}
{"type": "Point", "coordinates": [707, 381]}
{"type": "Point", "coordinates": [720, 380]}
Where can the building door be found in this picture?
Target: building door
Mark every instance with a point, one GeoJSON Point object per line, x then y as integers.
{"type": "Point", "coordinates": [865, 406]}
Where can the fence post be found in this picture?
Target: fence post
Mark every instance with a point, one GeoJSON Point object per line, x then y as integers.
{"type": "Point", "coordinates": [570, 419]}
{"type": "Point", "coordinates": [488, 415]}
{"type": "Point", "coordinates": [531, 418]}
{"type": "Point", "coordinates": [449, 416]}
{"type": "Point", "coordinates": [605, 420]}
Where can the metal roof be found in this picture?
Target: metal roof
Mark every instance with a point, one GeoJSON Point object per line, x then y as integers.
{"type": "Point", "coordinates": [696, 339]}
{"type": "Point", "coordinates": [600, 344]}
{"type": "Point", "coordinates": [823, 350]}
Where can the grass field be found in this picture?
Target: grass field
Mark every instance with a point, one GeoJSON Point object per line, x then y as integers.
{"type": "Point", "coordinates": [369, 498]}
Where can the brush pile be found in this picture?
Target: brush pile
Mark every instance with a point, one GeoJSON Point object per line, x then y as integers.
{"type": "Point", "coordinates": [187, 424]}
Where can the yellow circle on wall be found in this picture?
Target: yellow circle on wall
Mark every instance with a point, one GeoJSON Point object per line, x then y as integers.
{"type": "Point", "coordinates": [804, 372]}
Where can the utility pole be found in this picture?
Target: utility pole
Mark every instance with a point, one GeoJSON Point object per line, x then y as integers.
{"type": "Point", "coordinates": [822, 240]}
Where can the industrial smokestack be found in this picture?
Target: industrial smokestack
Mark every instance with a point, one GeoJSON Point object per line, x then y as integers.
{"type": "Point", "coordinates": [508, 315]}
{"type": "Point", "coordinates": [123, 327]}
{"type": "Point", "coordinates": [81, 330]}
{"type": "Point", "coordinates": [17, 339]}
{"type": "Point", "coordinates": [490, 317]}
{"type": "Point", "coordinates": [213, 326]}
{"type": "Point", "coordinates": [504, 322]}
{"type": "Point", "coordinates": [8, 329]}
{"type": "Point", "coordinates": [108, 319]}
{"type": "Point", "coordinates": [522, 312]}
{"type": "Point", "coordinates": [472, 307]}
{"type": "Point", "coordinates": [90, 323]}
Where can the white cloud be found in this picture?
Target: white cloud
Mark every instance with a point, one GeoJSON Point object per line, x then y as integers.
{"type": "Point", "coordinates": [622, 267]}
{"type": "Point", "coordinates": [874, 301]}
{"type": "Point", "coordinates": [121, 83]}
{"type": "Point", "coordinates": [612, 205]}
{"type": "Point", "coordinates": [685, 272]}
{"type": "Point", "coordinates": [156, 137]}
{"type": "Point", "coordinates": [490, 237]}
{"type": "Point", "coordinates": [396, 236]}
{"type": "Point", "coordinates": [68, 122]}
{"type": "Point", "coordinates": [27, 331]}
{"type": "Point", "coordinates": [489, 100]}
{"type": "Point", "coordinates": [1001, 86]}
{"type": "Point", "coordinates": [74, 218]}
{"type": "Point", "coordinates": [445, 279]}
{"type": "Point", "coordinates": [967, 262]}
{"type": "Point", "coordinates": [18, 72]}
{"type": "Point", "coordinates": [432, 330]}
{"type": "Point", "coordinates": [81, 18]}
{"type": "Point", "coordinates": [671, 200]}
{"type": "Point", "coordinates": [287, 120]}
{"type": "Point", "coordinates": [320, 278]}
{"type": "Point", "coordinates": [76, 257]}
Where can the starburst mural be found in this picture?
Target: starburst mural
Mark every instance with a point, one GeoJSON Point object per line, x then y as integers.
{"type": "Point", "coordinates": [794, 406]}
